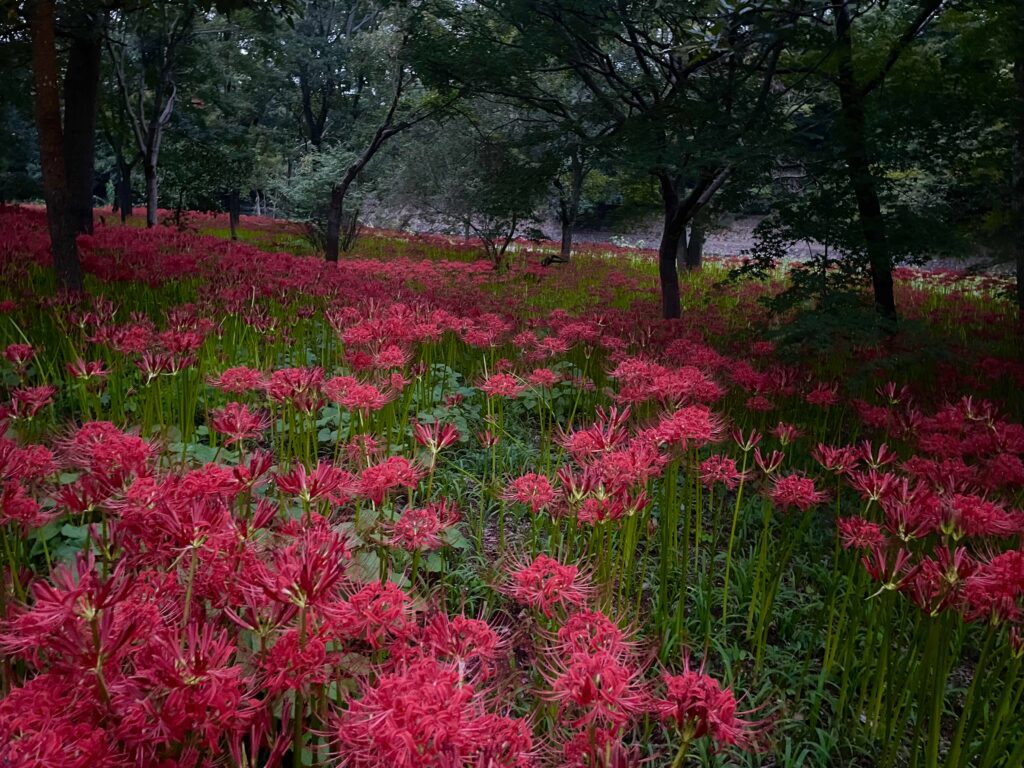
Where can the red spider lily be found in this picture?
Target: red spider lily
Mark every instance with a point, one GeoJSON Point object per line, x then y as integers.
{"type": "Point", "coordinates": [27, 402]}
{"type": "Point", "coordinates": [591, 632]}
{"type": "Point", "coordinates": [461, 641]}
{"type": "Point", "coordinates": [154, 363]}
{"type": "Point", "coordinates": [698, 706]}
{"type": "Point", "coordinates": [545, 584]}
{"type": "Point", "coordinates": [911, 512]}
{"type": "Point", "coordinates": [606, 433]}
{"type": "Point", "coordinates": [239, 380]}
{"type": "Point", "coordinates": [631, 466]}
{"type": "Point", "coordinates": [423, 717]}
{"type": "Point", "coordinates": [840, 461]}
{"type": "Point", "coordinates": [435, 436]}
{"type": "Point", "coordinates": [376, 615]}
{"type": "Point", "coordinates": [747, 443]}
{"type": "Point", "coordinates": [795, 490]}
{"type": "Point", "coordinates": [19, 355]}
{"type": "Point", "coordinates": [883, 457]}
{"type": "Point", "coordinates": [891, 572]}
{"type": "Point", "coordinates": [378, 480]}
{"type": "Point", "coordinates": [300, 387]}
{"type": "Point", "coordinates": [354, 395]}
{"type": "Point", "coordinates": [325, 482]}
{"type": "Point", "coordinates": [488, 438]}
{"type": "Point", "coordinates": [599, 688]}
{"type": "Point", "coordinates": [111, 458]}
{"type": "Point", "coordinates": [995, 590]}
{"type": "Point", "coordinates": [421, 528]}
{"type": "Point", "coordinates": [969, 515]}
{"type": "Point", "coordinates": [692, 426]}
{"type": "Point", "coordinates": [858, 533]}
{"type": "Point", "coordinates": [600, 748]}
{"type": "Point", "coordinates": [720, 469]}
{"type": "Point", "coordinates": [786, 433]}
{"type": "Point", "coordinates": [20, 509]}
{"type": "Point", "coordinates": [543, 378]}
{"type": "Point", "coordinates": [296, 661]}
{"type": "Point", "coordinates": [937, 583]}
{"type": "Point", "coordinates": [771, 463]}
{"type": "Point", "coordinates": [823, 395]}
{"type": "Point", "coordinates": [501, 385]}
{"type": "Point", "coordinates": [532, 490]}
{"type": "Point", "coordinates": [239, 423]}
{"type": "Point", "coordinates": [253, 473]}
{"type": "Point", "coordinates": [307, 572]}
{"type": "Point", "coordinates": [87, 371]}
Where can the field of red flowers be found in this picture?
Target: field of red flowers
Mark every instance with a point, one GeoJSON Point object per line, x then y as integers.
{"type": "Point", "coordinates": [405, 512]}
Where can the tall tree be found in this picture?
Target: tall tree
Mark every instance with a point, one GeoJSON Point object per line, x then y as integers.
{"type": "Point", "coordinates": [84, 28]}
{"type": "Point", "coordinates": [145, 50]}
{"type": "Point", "coordinates": [60, 221]}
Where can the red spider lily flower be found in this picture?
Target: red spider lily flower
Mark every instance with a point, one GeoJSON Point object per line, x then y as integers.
{"type": "Point", "coordinates": [746, 443]}
{"type": "Point", "coordinates": [194, 688]}
{"type": "Point", "coordinates": [543, 378]}
{"type": "Point", "coordinates": [823, 395]}
{"type": "Point", "coordinates": [786, 433]}
{"type": "Point", "coordinates": [376, 614]}
{"type": "Point", "coordinates": [995, 590]}
{"type": "Point", "coordinates": [324, 482]}
{"type": "Point", "coordinates": [295, 661]}
{"type": "Point", "coordinates": [423, 717]}
{"type": "Point", "coordinates": [378, 480]}
{"type": "Point", "coordinates": [968, 515]}
{"type": "Point", "coordinates": [692, 426]}
{"type": "Point", "coordinates": [501, 385]}
{"type": "Point", "coordinates": [238, 380]}
{"type": "Point", "coordinates": [239, 423]}
{"type": "Point", "coordinates": [882, 458]}
{"type": "Point", "coordinates": [300, 387]}
{"type": "Point", "coordinates": [253, 473]}
{"type": "Point", "coordinates": [27, 402]}
{"type": "Point", "coordinates": [488, 437]}
{"type": "Point", "coordinates": [597, 689]}
{"type": "Point", "coordinates": [422, 528]}
{"type": "Point", "coordinates": [911, 512]}
{"type": "Point", "coordinates": [698, 706]}
{"type": "Point", "coordinates": [461, 641]}
{"type": "Point", "coordinates": [86, 371]}
{"type": "Point", "coordinates": [631, 466]}
{"type": "Point", "coordinates": [19, 355]}
{"type": "Point", "coordinates": [531, 490]}
{"type": "Point", "coordinates": [892, 393]}
{"type": "Point", "coordinates": [795, 490]}
{"type": "Point", "coordinates": [20, 509]}
{"type": "Point", "coordinates": [874, 485]}
{"type": "Point", "coordinates": [600, 748]}
{"type": "Point", "coordinates": [720, 469]}
{"type": "Point", "coordinates": [840, 461]}
{"type": "Point", "coordinates": [154, 363]}
{"type": "Point", "coordinates": [937, 583]}
{"type": "Point", "coordinates": [545, 584]}
{"type": "Point", "coordinates": [307, 572]}
{"type": "Point", "coordinates": [436, 436]}
{"type": "Point", "coordinates": [591, 632]}
{"type": "Point", "coordinates": [771, 463]}
{"type": "Point", "coordinates": [858, 533]}
{"type": "Point", "coordinates": [759, 404]}
{"type": "Point", "coordinates": [352, 394]}
{"type": "Point", "coordinates": [891, 572]}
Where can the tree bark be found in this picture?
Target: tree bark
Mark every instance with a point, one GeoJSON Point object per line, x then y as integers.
{"type": "Point", "coordinates": [81, 90]}
{"type": "Point", "coordinates": [149, 171]}
{"type": "Point", "coordinates": [1018, 162]}
{"type": "Point", "coordinates": [695, 245]}
{"type": "Point", "coordinates": [66, 264]}
{"type": "Point", "coordinates": [668, 249]}
{"type": "Point", "coordinates": [124, 189]}
{"type": "Point", "coordinates": [853, 130]}
{"type": "Point", "coordinates": [234, 211]}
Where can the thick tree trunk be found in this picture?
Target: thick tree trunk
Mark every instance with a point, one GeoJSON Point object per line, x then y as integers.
{"type": "Point", "coordinates": [234, 211]}
{"type": "Point", "coordinates": [853, 131]}
{"type": "Point", "coordinates": [565, 249]}
{"type": "Point", "coordinates": [81, 89]}
{"type": "Point", "coordinates": [67, 267]}
{"type": "Point", "coordinates": [681, 252]}
{"type": "Point", "coordinates": [149, 170]}
{"type": "Point", "coordinates": [695, 245]}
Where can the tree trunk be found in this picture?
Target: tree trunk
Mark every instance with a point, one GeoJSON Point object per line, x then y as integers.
{"type": "Point", "coordinates": [1018, 162]}
{"type": "Point", "coordinates": [673, 231]}
{"type": "Point", "coordinates": [334, 222]}
{"type": "Point", "coordinates": [681, 252]}
{"type": "Point", "coordinates": [234, 211]}
{"type": "Point", "coordinates": [855, 152]}
{"type": "Point", "coordinates": [81, 89]}
{"type": "Point", "coordinates": [149, 170]}
{"type": "Point", "coordinates": [124, 189]}
{"type": "Point", "coordinates": [66, 264]}
{"type": "Point", "coordinates": [695, 245]}
{"type": "Point", "coordinates": [565, 250]}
